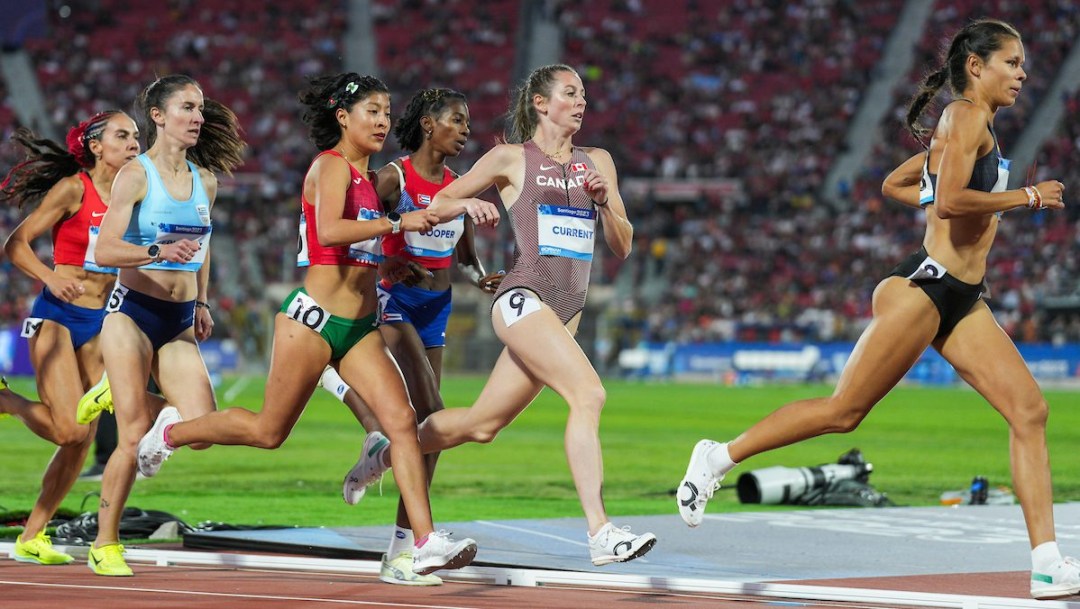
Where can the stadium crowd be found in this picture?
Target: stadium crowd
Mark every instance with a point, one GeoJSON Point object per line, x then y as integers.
{"type": "Point", "coordinates": [725, 98]}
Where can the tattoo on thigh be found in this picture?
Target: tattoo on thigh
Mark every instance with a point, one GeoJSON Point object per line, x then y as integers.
{"type": "Point", "coordinates": [104, 502]}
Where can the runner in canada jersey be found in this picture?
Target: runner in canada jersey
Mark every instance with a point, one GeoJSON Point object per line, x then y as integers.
{"type": "Point", "coordinates": [557, 195]}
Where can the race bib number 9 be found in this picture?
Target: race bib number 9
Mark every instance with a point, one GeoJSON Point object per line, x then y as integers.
{"type": "Point", "coordinates": [304, 309]}
{"type": "Point", "coordinates": [928, 269]}
{"type": "Point", "coordinates": [516, 305]}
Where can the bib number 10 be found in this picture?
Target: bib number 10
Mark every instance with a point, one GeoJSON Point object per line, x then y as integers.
{"type": "Point", "coordinates": [305, 310]}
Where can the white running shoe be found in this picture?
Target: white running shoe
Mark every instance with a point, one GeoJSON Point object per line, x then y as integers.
{"type": "Point", "coordinates": [399, 571]}
{"type": "Point", "coordinates": [441, 552]}
{"type": "Point", "coordinates": [612, 544]}
{"type": "Point", "coordinates": [153, 451]}
{"type": "Point", "coordinates": [368, 468]}
{"type": "Point", "coordinates": [699, 484]}
{"type": "Point", "coordinates": [1061, 579]}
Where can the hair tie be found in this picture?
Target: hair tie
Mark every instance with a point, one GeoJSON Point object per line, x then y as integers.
{"type": "Point", "coordinates": [78, 138]}
{"type": "Point", "coordinates": [339, 95]}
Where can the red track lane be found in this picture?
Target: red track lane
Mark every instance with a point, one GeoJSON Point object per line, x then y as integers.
{"type": "Point", "coordinates": [25, 586]}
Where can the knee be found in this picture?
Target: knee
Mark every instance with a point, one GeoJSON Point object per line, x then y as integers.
{"type": "Point", "coordinates": [399, 424]}
{"type": "Point", "coordinates": [590, 400]}
{"type": "Point", "coordinates": [844, 417]}
{"type": "Point", "coordinates": [73, 435]}
{"type": "Point", "coordinates": [423, 411]}
{"type": "Point", "coordinates": [1032, 414]}
{"type": "Point", "coordinates": [265, 436]}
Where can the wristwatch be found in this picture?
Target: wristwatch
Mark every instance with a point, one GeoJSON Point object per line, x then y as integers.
{"type": "Point", "coordinates": [154, 251]}
{"type": "Point", "coordinates": [395, 222]}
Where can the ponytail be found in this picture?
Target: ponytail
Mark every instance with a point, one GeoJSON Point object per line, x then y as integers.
{"type": "Point", "coordinates": [220, 148]}
{"type": "Point", "coordinates": [521, 117]}
{"type": "Point", "coordinates": [928, 90]}
{"type": "Point", "coordinates": [980, 38]}
{"type": "Point", "coordinates": [47, 162]}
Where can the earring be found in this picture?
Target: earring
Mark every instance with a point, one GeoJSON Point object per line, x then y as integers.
{"type": "Point", "coordinates": [428, 134]}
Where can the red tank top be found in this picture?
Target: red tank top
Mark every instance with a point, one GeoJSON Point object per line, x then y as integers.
{"type": "Point", "coordinates": [71, 236]}
{"type": "Point", "coordinates": [433, 248]}
{"type": "Point", "coordinates": [361, 203]}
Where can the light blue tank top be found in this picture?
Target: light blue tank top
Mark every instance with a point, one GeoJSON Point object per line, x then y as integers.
{"type": "Point", "coordinates": [161, 219]}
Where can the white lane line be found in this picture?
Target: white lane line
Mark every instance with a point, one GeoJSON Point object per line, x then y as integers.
{"type": "Point", "coordinates": [267, 597]}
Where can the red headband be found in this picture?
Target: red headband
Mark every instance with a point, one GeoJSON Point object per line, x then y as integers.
{"type": "Point", "coordinates": [80, 135]}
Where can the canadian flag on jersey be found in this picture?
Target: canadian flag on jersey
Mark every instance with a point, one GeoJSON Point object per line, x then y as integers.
{"type": "Point", "coordinates": [578, 167]}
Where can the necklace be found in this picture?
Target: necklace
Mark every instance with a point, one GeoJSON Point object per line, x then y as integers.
{"type": "Point", "coordinates": [558, 153]}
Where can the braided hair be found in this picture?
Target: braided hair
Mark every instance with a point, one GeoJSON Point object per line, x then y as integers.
{"type": "Point", "coordinates": [47, 162]}
{"type": "Point", "coordinates": [426, 102]}
{"type": "Point", "coordinates": [980, 38]}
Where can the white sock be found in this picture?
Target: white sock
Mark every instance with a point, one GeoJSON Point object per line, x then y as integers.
{"type": "Point", "coordinates": [1044, 556]}
{"type": "Point", "coordinates": [719, 460]}
{"type": "Point", "coordinates": [332, 382]}
{"type": "Point", "coordinates": [401, 541]}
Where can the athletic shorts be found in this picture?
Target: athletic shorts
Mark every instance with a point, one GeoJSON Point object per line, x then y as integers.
{"type": "Point", "coordinates": [160, 320]}
{"type": "Point", "coordinates": [953, 298]}
{"type": "Point", "coordinates": [338, 332]}
{"type": "Point", "coordinates": [426, 310]}
{"type": "Point", "coordinates": [82, 323]}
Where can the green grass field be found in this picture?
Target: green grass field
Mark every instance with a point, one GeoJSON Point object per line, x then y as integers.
{"type": "Point", "coordinates": [921, 441]}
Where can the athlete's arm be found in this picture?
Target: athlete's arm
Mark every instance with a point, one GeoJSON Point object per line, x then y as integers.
{"type": "Point", "coordinates": [129, 188]}
{"type": "Point", "coordinates": [62, 201]}
{"type": "Point", "coordinates": [204, 321]}
{"type": "Point", "coordinates": [468, 262]}
{"type": "Point", "coordinates": [331, 176]}
{"type": "Point", "coordinates": [904, 183]}
{"type": "Point", "coordinates": [388, 186]}
{"type": "Point", "coordinates": [603, 186]}
{"type": "Point", "coordinates": [459, 197]}
{"type": "Point", "coordinates": [962, 128]}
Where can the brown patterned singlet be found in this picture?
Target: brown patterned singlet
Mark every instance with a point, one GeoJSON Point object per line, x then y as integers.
{"type": "Point", "coordinates": [554, 224]}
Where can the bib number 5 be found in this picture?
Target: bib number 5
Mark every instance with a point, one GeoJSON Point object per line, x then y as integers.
{"type": "Point", "coordinates": [516, 305]}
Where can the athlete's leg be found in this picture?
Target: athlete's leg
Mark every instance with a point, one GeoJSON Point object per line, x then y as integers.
{"type": "Point", "coordinates": [539, 351]}
{"type": "Point", "coordinates": [905, 322]}
{"type": "Point", "coordinates": [298, 358]}
{"type": "Point", "coordinates": [181, 375]}
{"type": "Point", "coordinates": [372, 372]}
{"type": "Point", "coordinates": [986, 359]}
{"type": "Point", "coordinates": [60, 384]}
{"type": "Point", "coordinates": [63, 468]}
{"type": "Point", "coordinates": [408, 350]}
{"type": "Point", "coordinates": [128, 355]}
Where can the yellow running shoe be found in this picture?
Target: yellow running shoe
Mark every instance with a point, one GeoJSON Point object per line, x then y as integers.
{"type": "Point", "coordinates": [109, 561]}
{"type": "Point", "coordinates": [39, 550]}
{"type": "Point", "coordinates": [400, 571]}
{"type": "Point", "coordinates": [94, 401]}
{"type": "Point", "coordinates": [3, 386]}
